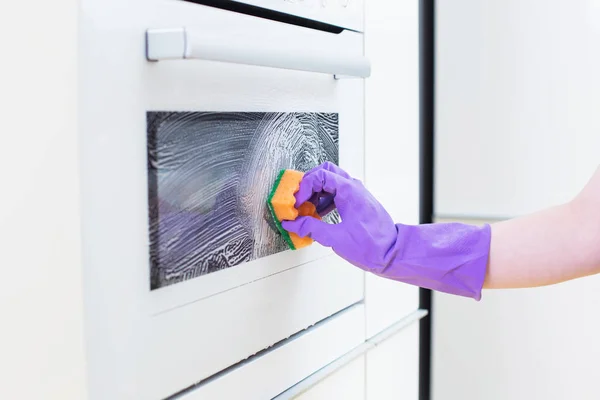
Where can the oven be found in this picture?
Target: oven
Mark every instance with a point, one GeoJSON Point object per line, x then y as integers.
{"type": "Point", "coordinates": [188, 110]}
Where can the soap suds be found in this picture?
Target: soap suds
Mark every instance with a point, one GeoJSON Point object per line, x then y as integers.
{"type": "Point", "coordinates": [209, 176]}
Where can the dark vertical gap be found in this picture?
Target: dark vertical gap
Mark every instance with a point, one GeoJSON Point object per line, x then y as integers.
{"type": "Point", "coordinates": [426, 144]}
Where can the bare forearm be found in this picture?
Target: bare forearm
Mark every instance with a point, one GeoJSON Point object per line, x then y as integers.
{"type": "Point", "coordinates": [550, 246]}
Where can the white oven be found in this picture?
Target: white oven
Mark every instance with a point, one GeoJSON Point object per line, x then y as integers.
{"type": "Point", "coordinates": [188, 110]}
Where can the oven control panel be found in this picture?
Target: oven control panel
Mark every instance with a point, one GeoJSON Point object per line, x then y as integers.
{"type": "Point", "coordinates": [347, 14]}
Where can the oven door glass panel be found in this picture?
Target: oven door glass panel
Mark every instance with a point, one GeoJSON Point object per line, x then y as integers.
{"type": "Point", "coordinates": [209, 174]}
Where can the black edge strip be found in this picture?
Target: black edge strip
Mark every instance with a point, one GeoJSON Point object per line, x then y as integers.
{"type": "Point", "coordinates": [427, 118]}
{"type": "Point", "coordinates": [262, 352]}
{"type": "Point", "coordinates": [266, 13]}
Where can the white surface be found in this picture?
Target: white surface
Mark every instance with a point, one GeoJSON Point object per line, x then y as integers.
{"type": "Point", "coordinates": [518, 129]}
{"type": "Point", "coordinates": [343, 13]}
{"type": "Point", "coordinates": [518, 86]}
{"type": "Point", "coordinates": [393, 367]}
{"type": "Point", "coordinates": [251, 48]}
{"type": "Point", "coordinates": [41, 338]}
{"type": "Point", "coordinates": [392, 140]}
{"type": "Point", "coordinates": [528, 344]}
{"type": "Point", "coordinates": [242, 322]}
{"type": "Point", "coordinates": [348, 383]}
{"type": "Point", "coordinates": [148, 345]}
{"type": "Point", "coordinates": [356, 352]}
{"type": "Point", "coordinates": [278, 369]}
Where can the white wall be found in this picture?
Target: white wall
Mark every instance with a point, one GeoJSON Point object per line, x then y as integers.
{"type": "Point", "coordinates": [41, 338]}
{"type": "Point", "coordinates": [518, 129]}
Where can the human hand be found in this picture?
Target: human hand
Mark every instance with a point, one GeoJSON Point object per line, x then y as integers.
{"type": "Point", "coordinates": [449, 257]}
{"type": "Point", "coordinates": [366, 233]}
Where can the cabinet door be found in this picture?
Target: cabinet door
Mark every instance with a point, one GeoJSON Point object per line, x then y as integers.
{"type": "Point", "coordinates": [392, 368]}
{"type": "Point", "coordinates": [511, 139]}
{"type": "Point", "coordinates": [392, 140]}
{"type": "Point", "coordinates": [347, 383]}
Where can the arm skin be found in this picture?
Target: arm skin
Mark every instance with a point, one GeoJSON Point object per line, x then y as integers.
{"type": "Point", "coordinates": [550, 246]}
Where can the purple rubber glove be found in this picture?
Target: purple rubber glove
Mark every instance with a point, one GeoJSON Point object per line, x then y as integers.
{"type": "Point", "coordinates": [449, 257]}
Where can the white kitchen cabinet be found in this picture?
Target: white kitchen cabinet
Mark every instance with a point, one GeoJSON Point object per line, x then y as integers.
{"type": "Point", "coordinates": [516, 99]}
{"type": "Point", "coordinates": [389, 370]}
{"type": "Point", "coordinates": [518, 94]}
{"type": "Point", "coordinates": [393, 367]}
{"type": "Point", "coordinates": [347, 383]}
{"type": "Point", "coordinates": [392, 139]}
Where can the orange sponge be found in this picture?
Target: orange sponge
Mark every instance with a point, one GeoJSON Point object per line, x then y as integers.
{"type": "Point", "coordinates": [281, 204]}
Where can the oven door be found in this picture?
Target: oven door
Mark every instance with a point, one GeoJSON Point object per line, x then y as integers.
{"type": "Point", "coordinates": [184, 273]}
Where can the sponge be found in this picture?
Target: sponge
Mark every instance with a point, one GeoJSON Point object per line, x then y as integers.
{"type": "Point", "coordinates": [281, 202]}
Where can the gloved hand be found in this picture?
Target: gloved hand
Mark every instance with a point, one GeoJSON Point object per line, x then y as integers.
{"type": "Point", "coordinates": [449, 257]}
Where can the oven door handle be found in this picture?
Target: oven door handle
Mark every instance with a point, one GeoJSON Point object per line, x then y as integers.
{"type": "Point", "coordinates": [180, 43]}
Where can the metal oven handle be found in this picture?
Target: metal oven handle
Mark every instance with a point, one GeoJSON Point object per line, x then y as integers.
{"type": "Point", "coordinates": [179, 43]}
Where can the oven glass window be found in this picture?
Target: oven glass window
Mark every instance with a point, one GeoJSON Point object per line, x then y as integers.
{"type": "Point", "coordinates": [209, 175]}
